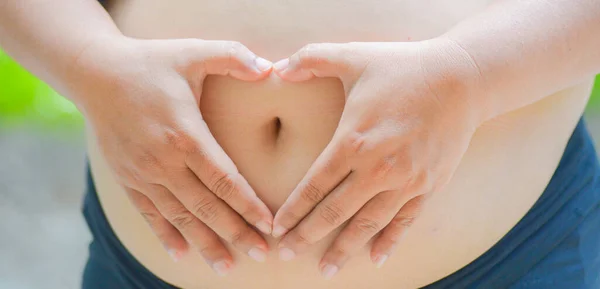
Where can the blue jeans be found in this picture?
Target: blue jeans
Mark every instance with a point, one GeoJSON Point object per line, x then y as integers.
{"type": "Point", "coordinates": [555, 246]}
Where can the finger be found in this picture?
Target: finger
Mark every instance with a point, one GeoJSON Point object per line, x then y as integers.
{"type": "Point", "coordinates": [202, 238]}
{"type": "Point", "coordinates": [371, 219]}
{"type": "Point", "coordinates": [219, 174]}
{"type": "Point", "coordinates": [228, 58]}
{"type": "Point", "coordinates": [217, 215]}
{"type": "Point", "coordinates": [345, 200]}
{"type": "Point", "coordinates": [316, 60]}
{"type": "Point", "coordinates": [169, 236]}
{"type": "Point", "coordinates": [393, 233]}
{"type": "Point", "coordinates": [328, 170]}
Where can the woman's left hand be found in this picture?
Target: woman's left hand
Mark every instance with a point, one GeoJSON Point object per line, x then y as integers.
{"type": "Point", "coordinates": [408, 119]}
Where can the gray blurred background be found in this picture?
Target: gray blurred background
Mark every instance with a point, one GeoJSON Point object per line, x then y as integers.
{"type": "Point", "coordinates": [43, 237]}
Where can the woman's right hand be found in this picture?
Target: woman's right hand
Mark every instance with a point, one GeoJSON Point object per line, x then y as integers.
{"type": "Point", "coordinates": [141, 101]}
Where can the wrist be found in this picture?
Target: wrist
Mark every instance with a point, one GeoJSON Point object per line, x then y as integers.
{"type": "Point", "coordinates": [94, 65]}
{"type": "Point", "coordinates": [458, 77]}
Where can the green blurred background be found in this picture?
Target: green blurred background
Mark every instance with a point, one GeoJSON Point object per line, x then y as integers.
{"type": "Point", "coordinates": [23, 98]}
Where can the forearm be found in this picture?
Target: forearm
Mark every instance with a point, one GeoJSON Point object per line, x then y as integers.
{"type": "Point", "coordinates": [524, 50]}
{"type": "Point", "coordinates": [47, 36]}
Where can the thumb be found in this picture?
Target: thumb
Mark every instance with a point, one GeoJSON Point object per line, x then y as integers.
{"type": "Point", "coordinates": [317, 60]}
{"type": "Point", "coordinates": [228, 58]}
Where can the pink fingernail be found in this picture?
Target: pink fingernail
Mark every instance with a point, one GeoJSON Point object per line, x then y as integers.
{"type": "Point", "coordinates": [286, 254]}
{"type": "Point", "coordinates": [329, 271]}
{"type": "Point", "coordinates": [281, 64]}
{"type": "Point", "coordinates": [278, 231]}
{"type": "Point", "coordinates": [263, 64]}
{"type": "Point", "coordinates": [222, 268]}
{"type": "Point", "coordinates": [264, 227]}
{"type": "Point", "coordinates": [379, 260]}
{"type": "Point", "coordinates": [257, 254]}
{"type": "Point", "coordinates": [174, 254]}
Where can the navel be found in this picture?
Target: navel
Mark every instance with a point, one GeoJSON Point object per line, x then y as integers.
{"type": "Point", "coordinates": [276, 127]}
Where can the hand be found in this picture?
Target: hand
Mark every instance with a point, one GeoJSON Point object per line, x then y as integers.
{"type": "Point", "coordinates": [407, 121]}
{"type": "Point", "coordinates": [141, 99]}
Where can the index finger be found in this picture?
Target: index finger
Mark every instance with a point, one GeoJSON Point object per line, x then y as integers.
{"type": "Point", "coordinates": [225, 58]}
{"type": "Point", "coordinates": [220, 175]}
{"type": "Point", "coordinates": [330, 169]}
{"type": "Point", "coordinates": [313, 60]}
{"type": "Point", "coordinates": [321, 60]}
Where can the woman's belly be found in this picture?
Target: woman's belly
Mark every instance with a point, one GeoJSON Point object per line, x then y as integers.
{"type": "Point", "coordinates": [507, 166]}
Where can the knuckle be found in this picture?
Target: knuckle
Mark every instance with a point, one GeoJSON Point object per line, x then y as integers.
{"type": "Point", "coordinates": [234, 49]}
{"type": "Point", "coordinates": [172, 210]}
{"type": "Point", "coordinates": [206, 210]}
{"type": "Point", "coordinates": [301, 238]}
{"type": "Point", "coordinates": [384, 167]}
{"type": "Point", "coordinates": [309, 54]}
{"type": "Point", "coordinates": [239, 236]}
{"type": "Point", "coordinates": [182, 220]}
{"type": "Point", "coordinates": [209, 249]}
{"type": "Point", "coordinates": [147, 162]}
{"type": "Point", "coordinates": [236, 46]}
{"type": "Point", "coordinates": [151, 217]}
{"type": "Point", "coordinates": [181, 141]}
{"type": "Point", "coordinates": [355, 142]}
{"type": "Point", "coordinates": [289, 219]}
{"type": "Point", "coordinates": [367, 226]}
{"type": "Point", "coordinates": [404, 221]}
{"type": "Point", "coordinates": [331, 213]}
{"type": "Point", "coordinates": [306, 50]}
{"type": "Point", "coordinates": [312, 193]}
{"type": "Point", "coordinates": [224, 186]}
{"type": "Point", "coordinates": [415, 206]}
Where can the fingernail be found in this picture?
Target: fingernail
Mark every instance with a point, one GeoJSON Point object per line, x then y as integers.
{"type": "Point", "coordinates": [286, 254]}
{"type": "Point", "coordinates": [329, 271]}
{"type": "Point", "coordinates": [221, 267]}
{"type": "Point", "coordinates": [264, 227]}
{"type": "Point", "coordinates": [281, 64]}
{"type": "Point", "coordinates": [263, 64]}
{"type": "Point", "coordinates": [174, 254]}
{"type": "Point", "coordinates": [278, 231]}
{"type": "Point", "coordinates": [380, 260]}
{"type": "Point", "coordinates": [257, 254]}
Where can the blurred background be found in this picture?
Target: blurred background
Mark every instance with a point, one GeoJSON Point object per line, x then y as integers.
{"type": "Point", "coordinates": [43, 237]}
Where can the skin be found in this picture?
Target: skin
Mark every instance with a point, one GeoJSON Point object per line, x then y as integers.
{"type": "Point", "coordinates": [381, 164]}
{"type": "Point", "coordinates": [171, 167]}
{"type": "Point", "coordinates": [411, 110]}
